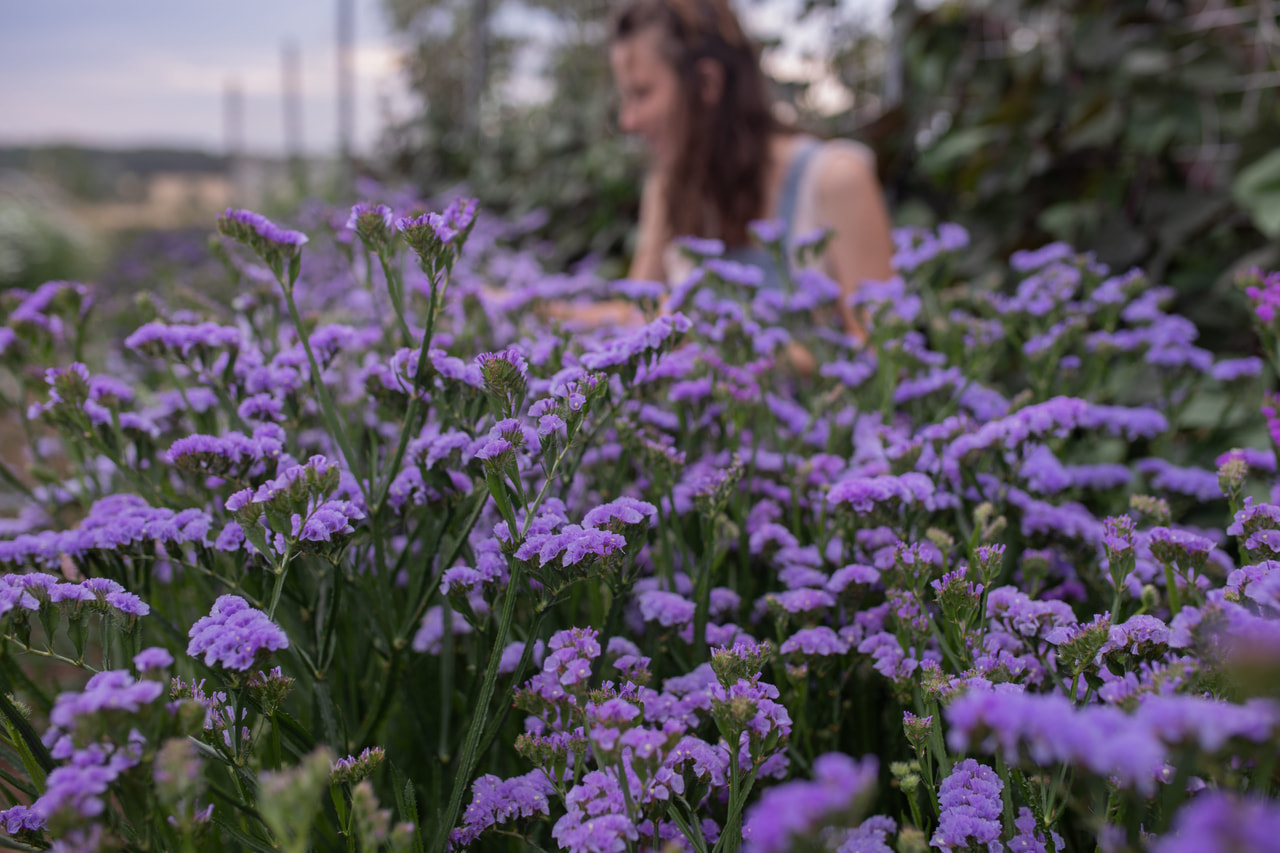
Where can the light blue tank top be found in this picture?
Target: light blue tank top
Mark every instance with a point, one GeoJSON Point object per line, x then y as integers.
{"type": "Point", "coordinates": [758, 256]}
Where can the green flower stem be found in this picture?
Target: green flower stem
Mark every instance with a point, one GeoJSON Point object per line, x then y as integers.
{"type": "Point", "coordinates": [739, 789]}
{"type": "Point", "coordinates": [470, 749]}
{"type": "Point", "coordinates": [396, 291]}
{"type": "Point", "coordinates": [411, 415]}
{"type": "Point", "coordinates": [686, 825]}
{"type": "Point", "coordinates": [702, 589]}
{"type": "Point", "coordinates": [1171, 589]}
{"type": "Point", "coordinates": [50, 654]}
{"type": "Point", "coordinates": [327, 406]}
{"type": "Point", "coordinates": [280, 571]}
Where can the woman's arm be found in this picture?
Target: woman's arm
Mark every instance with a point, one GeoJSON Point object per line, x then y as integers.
{"type": "Point", "coordinates": [849, 201]}
{"type": "Point", "coordinates": [646, 264]}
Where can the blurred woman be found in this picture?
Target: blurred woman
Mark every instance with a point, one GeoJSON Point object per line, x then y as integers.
{"type": "Point", "coordinates": [691, 86]}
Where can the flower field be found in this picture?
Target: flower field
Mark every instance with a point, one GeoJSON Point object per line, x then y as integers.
{"type": "Point", "coordinates": [394, 553]}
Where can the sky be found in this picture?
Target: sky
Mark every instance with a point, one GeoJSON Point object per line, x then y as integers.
{"type": "Point", "coordinates": [154, 72]}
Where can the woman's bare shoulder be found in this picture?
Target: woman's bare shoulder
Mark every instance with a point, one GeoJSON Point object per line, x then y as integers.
{"type": "Point", "coordinates": [843, 166]}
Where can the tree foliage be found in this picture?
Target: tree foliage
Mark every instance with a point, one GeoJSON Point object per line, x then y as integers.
{"type": "Point", "coordinates": [1142, 130]}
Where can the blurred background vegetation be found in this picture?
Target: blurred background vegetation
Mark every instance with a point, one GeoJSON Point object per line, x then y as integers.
{"type": "Point", "coordinates": [1142, 130]}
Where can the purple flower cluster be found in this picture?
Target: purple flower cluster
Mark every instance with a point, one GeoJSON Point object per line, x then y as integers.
{"type": "Point", "coordinates": [642, 345]}
{"type": "Point", "coordinates": [1132, 749]}
{"type": "Point", "coordinates": [969, 799]}
{"type": "Point", "coordinates": [787, 814]}
{"type": "Point", "coordinates": [496, 801]}
{"type": "Point", "coordinates": [234, 635]}
{"type": "Point", "coordinates": [866, 494]}
{"type": "Point", "coordinates": [115, 523]}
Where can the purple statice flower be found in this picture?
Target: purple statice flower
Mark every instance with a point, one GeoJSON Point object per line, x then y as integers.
{"type": "Point", "coordinates": [77, 789]}
{"type": "Point", "coordinates": [768, 231]}
{"type": "Point", "coordinates": [1070, 519]}
{"type": "Point", "coordinates": [1132, 749]}
{"type": "Point", "coordinates": [642, 344]}
{"type": "Point", "coordinates": [1222, 820]}
{"type": "Point", "coordinates": [938, 379]}
{"type": "Point", "coordinates": [496, 801]}
{"type": "Point", "coordinates": [1137, 635]}
{"type": "Point", "coordinates": [913, 248]}
{"type": "Point", "coordinates": [374, 223]}
{"type": "Point", "coordinates": [1028, 839]}
{"type": "Point", "coordinates": [20, 818]}
{"type": "Point", "coordinates": [326, 523]}
{"type": "Point", "coordinates": [260, 233]}
{"type": "Point", "coordinates": [624, 511]}
{"type": "Point", "coordinates": [851, 373]}
{"type": "Point", "coordinates": [1232, 369]}
{"type": "Point", "coordinates": [800, 601]}
{"type": "Point", "coordinates": [785, 814]}
{"type": "Point", "coordinates": [569, 547]}
{"type": "Point", "coordinates": [234, 634]}
{"type": "Point", "coordinates": [1193, 482]}
{"type": "Point", "coordinates": [1044, 343]}
{"type": "Point", "coordinates": [815, 642]}
{"type": "Point", "coordinates": [1131, 423]}
{"type": "Point", "coordinates": [183, 340]}
{"type": "Point", "coordinates": [668, 609]}
{"type": "Point", "coordinates": [262, 408]}
{"type": "Point", "coordinates": [1257, 460]}
{"type": "Point", "coordinates": [355, 768]}
{"type": "Point", "coordinates": [570, 653]}
{"type": "Point", "coordinates": [969, 800]}
{"type": "Point", "coordinates": [865, 494]}
{"type": "Point", "coordinates": [596, 820]}
{"type": "Point", "coordinates": [156, 657]}
{"type": "Point", "coordinates": [1028, 260]}
{"type": "Point", "coordinates": [512, 654]}
{"type": "Point", "coordinates": [734, 272]}
{"type": "Point", "coordinates": [638, 290]}
{"type": "Point", "coordinates": [107, 691]}
{"type": "Point", "coordinates": [430, 632]}
{"type": "Point", "coordinates": [701, 247]}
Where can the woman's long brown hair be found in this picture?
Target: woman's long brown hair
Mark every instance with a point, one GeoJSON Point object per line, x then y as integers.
{"type": "Point", "coordinates": [716, 185]}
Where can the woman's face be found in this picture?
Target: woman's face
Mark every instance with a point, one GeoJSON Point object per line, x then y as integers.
{"type": "Point", "coordinates": [650, 93]}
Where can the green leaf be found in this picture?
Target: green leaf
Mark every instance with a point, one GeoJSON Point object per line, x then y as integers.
{"type": "Point", "coordinates": [1257, 190]}
{"type": "Point", "coordinates": [242, 840]}
{"type": "Point", "coordinates": [407, 804]}
{"type": "Point", "coordinates": [956, 146]}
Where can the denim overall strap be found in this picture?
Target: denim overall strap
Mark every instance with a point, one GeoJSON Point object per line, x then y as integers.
{"type": "Point", "coordinates": [808, 146]}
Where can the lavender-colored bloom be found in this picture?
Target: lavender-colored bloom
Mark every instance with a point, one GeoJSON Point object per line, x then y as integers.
{"type": "Point", "coordinates": [1231, 369]}
{"type": "Point", "coordinates": [1257, 460]}
{"type": "Point", "coordinates": [1222, 820]}
{"type": "Point", "coordinates": [666, 608]}
{"type": "Point", "coordinates": [1028, 260]}
{"type": "Point", "coordinates": [1028, 839]}
{"type": "Point", "coordinates": [787, 813]}
{"type": "Point", "coordinates": [644, 343]}
{"type": "Point", "coordinates": [705, 248]}
{"type": "Point", "coordinates": [815, 642]}
{"type": "Point", "coordinates": [155, 657]}
{"type": "Point", "coordinates": [496, 801]}
{"type": "Point", "coordinates": [266, 231]}
{"type": "Point", "coordinates": [571, 546]}
{"type": "Point", "coordinates": [1194, 482]}
{"type": "Point", "coordinates": [865, 494]}
{"type": "Point", "coordinates": [970, 805]}
{"type": "Point", "coordinates": [625, 511]}
{"type": "Point", "coordinates": [203, 339]}
{"type": "Point", "coordinates": [20, 818]}
{"type": "Point", "coordinates": [111, 690]}
{"type": "Point", "coordinates": [234, 634]}
{"type": "Point", "coordinates": [1131, 423]}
